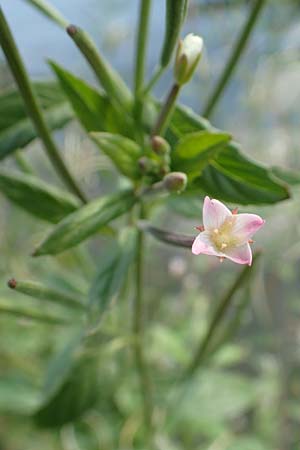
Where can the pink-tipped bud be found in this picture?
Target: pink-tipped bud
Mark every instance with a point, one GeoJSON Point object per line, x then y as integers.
{"type": "Point", "coordinates": [160, 145]}
{"type": "Point", "coordinates": [175, 181]}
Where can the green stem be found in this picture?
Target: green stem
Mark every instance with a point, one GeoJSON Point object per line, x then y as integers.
{"type": "Point", "coordinates": [218, 316]}
{"type": "Point", "coordinates": [31, 103]}
{"type": "Point", "coordinates": [50, 12]}
{"type": "Point", "coordinates": [138, 331]}
{"type": "Point", "coordinates": [166, 111]}
{"type": "Point", "coordinates": [141, 44]}
{"type": "Point", "coordinates": [234, 57]}
{"type": "Point", "coordinates": [153, 80]}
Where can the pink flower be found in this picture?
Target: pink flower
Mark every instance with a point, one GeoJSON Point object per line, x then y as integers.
{"type": "Point", "coordinates": [226, 234]}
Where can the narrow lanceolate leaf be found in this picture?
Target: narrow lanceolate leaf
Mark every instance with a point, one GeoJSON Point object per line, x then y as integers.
{"type": "Point", "coordinates": [112, 273]}
{"type": "Point", "coordinates": [231, 176]}
{"type": "Point", "coordinates": [85, 222]}
{"type": "Point", "coordinates": [30, 314]}
{"type": "Point", "coordinates": [195, 150]}
{"type": "Point", "coordinates": [37, 197]}
{"type": "Point", "coordinates": [166, 236]}
{"type": "Point", "coordinates": [16, 129]}
{"type": "Point", "coordinates": [122, 151]}
{"type": "Point", "coordinates": [93, 109]}
{"type": "Point", "coordinates": [175, 14]}
{"type": "Point", "coordinates": [45, 293]}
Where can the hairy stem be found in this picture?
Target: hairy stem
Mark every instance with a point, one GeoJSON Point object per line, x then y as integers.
{"type": "Point", "coordinates": [166, 111]}
{"type": "Point", "coordinates": [234, 57]}
{"type": "Point", "coordinates": [31, 103]}
{"type": "Point", "coordinates": [138, 331]}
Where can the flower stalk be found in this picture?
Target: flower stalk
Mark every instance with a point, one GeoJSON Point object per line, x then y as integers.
{"type": "Point", "coordinates": [166, 111]}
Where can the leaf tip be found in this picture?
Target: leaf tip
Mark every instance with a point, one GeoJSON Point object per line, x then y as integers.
{"type": "Point", "coordinates": [71, 30]}
{"type": "Point", "coordinates": [12, 283]}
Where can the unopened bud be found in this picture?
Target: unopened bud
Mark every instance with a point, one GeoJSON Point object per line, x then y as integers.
{"type": "Point", "coordinates": [175, 181]}
{"type": "Point", "coordinates": [147, 165]}
{"type": "Point", "coordinates": [160, 145]}
{"type": "Point", "coordinates": [188, 55]}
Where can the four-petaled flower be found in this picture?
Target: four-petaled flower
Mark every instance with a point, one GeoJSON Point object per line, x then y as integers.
{"type": "Point", "coordinates": [226, 234]}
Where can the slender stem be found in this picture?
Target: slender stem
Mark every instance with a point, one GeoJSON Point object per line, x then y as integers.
{"type": "Point", "coordinates": [166, 111]}
{"type": "Point", "coordinates": [141, 44]}
{"type": "Point", "coordinates": [138, 331]}
{"type": "Point", "coordinates": [218, 316]}
{"type": "Point", "coordinates": [153, 80]}
{"type": "Point", "coordinates": [31, 103]}
{"type": "Point", "coordinates": [50, 12]}
{"type": "Point", "coordinates": [234, 57]}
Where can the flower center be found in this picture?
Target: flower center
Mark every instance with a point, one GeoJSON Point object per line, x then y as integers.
{"type": "Point", "coordinates": [223, 237]}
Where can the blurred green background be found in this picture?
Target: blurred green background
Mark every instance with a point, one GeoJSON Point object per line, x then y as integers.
{"type": "Point", "coordinates": [248, 398]}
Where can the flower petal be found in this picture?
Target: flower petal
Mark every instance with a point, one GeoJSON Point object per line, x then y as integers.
{"type": "Point", "coordinates": [240, 255]}
{"type": "Point", "coordinates": [203, 245]}
{"type": "Point", "coordinates": [214, 213]}
{"type": "Point", "coordinates": [246, 225]}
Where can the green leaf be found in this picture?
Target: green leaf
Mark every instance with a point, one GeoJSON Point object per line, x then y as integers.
{"type": "Point", "coordinates": [41, 292]}
{"type": "Point", "coordinates": [194, 151]}
{"type": "Point", "coordinates": [32, 315]}
{"type": "Point", "coordinates": [93, 109]}
{"type": "Point", "coordinates": [16, 129]}
{"type": "Point", "coordinates": [234, 178]}
{"type": "Point", "coordinates": [291, 177]}
{"type": "Point", "coordinates": [70, 386]}
{"type": "Point", "coordinates": [122, 151]}
{"type": "Point", "coordinates": [112, 272]}
{"type": "Point", "coordinates": [231, 176]}
{"type": "Point", "coordinates": [86, 221]}
{"type": "Point", "coordinates": [37, 197]}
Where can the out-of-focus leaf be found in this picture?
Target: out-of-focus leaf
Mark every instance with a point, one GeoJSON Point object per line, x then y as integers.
{"type": "Point", "coordinates": [194, 151]}
{"type": "Point", "coordinates": [291, 177]}
{"type": "Point", "coordinates": [122, 151]}
{"type": "Point", "coordinates": [37, 197]}
{"type": "Point", "coordinates": [231, 176]}
{"type": "Point", "coordinates": [78, 393]}
{"type": "Point", "coordinates": [112, 272]}
{"type": "Point", "coordinates": [16, 129]}
{"type": "Point", "coordinates": [32, 315]}
{"type": "Point", "coordinates": [18, 395]}
{"type": "Point", "coordinates": [61, 366]}
{"type": "Point", "coordinates": [186, 204]}
{"type": "Point", "coordinates": [42, 292]}
{"type": "Point", "coordinates": [86, 221]}
{"type": "Point", "coordinates": [93, 109]}
{"type": "Point", "coordinates": [234, 178]}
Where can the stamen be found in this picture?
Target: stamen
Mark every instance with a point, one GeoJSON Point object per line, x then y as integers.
{"type": "Point", "coordinates": [223, 245]}
{"type": "Point", "coordinates": [216, 231]}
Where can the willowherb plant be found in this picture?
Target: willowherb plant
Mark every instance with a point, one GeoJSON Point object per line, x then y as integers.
{"type": "Point", "coordinates": [163, 149]}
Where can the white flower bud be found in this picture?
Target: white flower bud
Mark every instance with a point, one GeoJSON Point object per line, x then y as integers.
{"type": "Point", "coordinates": [188, 55]}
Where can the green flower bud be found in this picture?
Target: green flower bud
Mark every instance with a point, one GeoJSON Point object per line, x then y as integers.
{"type": "Point", "coordinates": [188, 55]}
{"type": "Point", "coordinates": [175, 182]}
